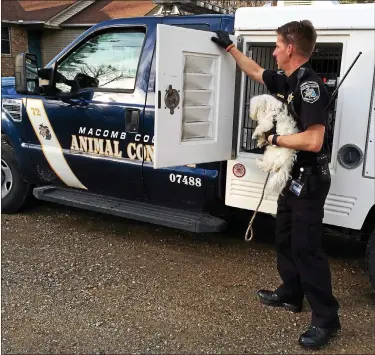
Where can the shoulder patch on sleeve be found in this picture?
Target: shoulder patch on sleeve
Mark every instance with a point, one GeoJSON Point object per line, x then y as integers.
{"type": "Point", "coordinates": [310, 91]}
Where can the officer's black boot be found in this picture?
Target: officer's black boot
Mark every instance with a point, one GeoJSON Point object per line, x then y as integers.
{"type": "Point", "coordinates": [316, 337]}
{"type": "Point", "coordinates": [271, 298]}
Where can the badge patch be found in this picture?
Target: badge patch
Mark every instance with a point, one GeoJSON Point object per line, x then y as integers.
{"type": "Point", "coordinates": [310, 91]}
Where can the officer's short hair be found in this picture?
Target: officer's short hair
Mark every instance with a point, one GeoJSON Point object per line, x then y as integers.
{"type": "Point", "coordinates": [301, 34]}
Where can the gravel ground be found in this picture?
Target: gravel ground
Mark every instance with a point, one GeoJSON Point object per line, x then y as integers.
{"type": "Point", "coordinates": [80, 282]}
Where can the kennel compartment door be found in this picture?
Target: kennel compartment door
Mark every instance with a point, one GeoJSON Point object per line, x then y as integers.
{"type": "Point", "coordinates": [195, 84]}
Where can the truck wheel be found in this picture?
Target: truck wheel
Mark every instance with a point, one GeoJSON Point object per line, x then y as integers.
{"type": "Point", "coordinates": [370, 258]}
{"type": "Point", "coordinates": [14, 190]}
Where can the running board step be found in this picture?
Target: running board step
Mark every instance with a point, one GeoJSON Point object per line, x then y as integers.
{"type": "Point", "coordinates": [169, 217]}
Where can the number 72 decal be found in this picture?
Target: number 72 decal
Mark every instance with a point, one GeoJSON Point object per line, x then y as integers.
{"type": "Point", "coordinates": [187, 180]}
{"type": "Point", "coordinates": [35, 111]}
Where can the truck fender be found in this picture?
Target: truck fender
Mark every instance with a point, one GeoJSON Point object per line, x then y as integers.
{"type": "Point", "coordinates": [10, 134]}
{"type": "Point", "coordinates": [369, 223]}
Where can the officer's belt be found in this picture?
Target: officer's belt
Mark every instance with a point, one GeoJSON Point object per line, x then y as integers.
{"type": "Point", "coordinates": [307, 169]}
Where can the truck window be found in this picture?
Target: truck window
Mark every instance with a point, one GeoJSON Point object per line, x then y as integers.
{"type": "Point", "coordinates": [106, 61]}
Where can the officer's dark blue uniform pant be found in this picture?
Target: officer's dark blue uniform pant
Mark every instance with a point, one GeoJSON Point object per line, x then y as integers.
{"type": "Point", "coordinates": [301, 261]}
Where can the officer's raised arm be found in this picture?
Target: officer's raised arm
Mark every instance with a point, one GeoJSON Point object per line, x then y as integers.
{"type": "Point", "coordinates": [249, 66]}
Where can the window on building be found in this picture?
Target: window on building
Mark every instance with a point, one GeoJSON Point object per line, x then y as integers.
{"type": "Point", "coordinates": [5, 40]}
{"type": "Point", "coordinates": [107, 61]}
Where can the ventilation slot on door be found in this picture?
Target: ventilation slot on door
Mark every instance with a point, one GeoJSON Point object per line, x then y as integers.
{"type": "Point", "coordinates": [199, 98]}
{"type": "Point", "coordinates": [13, 108]}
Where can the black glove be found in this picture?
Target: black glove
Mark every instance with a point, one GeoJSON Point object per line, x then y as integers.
{"type": "Point", "coordinates": [222, 39]}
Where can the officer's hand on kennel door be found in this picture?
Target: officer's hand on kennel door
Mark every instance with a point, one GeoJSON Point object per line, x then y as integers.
{"type": "Point", "coordinates": [222, 39]}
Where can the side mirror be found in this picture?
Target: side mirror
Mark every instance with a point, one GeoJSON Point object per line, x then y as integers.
{"type": "Point", "coordinates": [26, 73]}
{"type": "Point", "coordinates": [46, 74]}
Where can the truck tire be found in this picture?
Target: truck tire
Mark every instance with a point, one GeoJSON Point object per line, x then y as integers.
{"type": "Point", "coordinates": [14, 190]}
{"type": "Point", "coordinates": [370, 258]}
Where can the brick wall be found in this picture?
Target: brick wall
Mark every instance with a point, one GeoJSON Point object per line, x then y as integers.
{"type": "Point", "coordinates": [18, 44]}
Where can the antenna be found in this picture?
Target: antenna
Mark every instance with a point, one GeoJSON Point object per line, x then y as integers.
{"type": "Point", "coordinates": [346, 74]}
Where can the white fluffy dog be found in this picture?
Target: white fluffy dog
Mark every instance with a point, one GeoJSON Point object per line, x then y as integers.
{"type": "Point", "coordinates": [279, 161]}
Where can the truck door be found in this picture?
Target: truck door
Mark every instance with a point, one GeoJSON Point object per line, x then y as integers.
{"type": "Point", "coordinates": [82, 138]}
{"type": "Point", "coordinates": [192, 186]}
{"type": "Point", "coordinates": [194, 109]}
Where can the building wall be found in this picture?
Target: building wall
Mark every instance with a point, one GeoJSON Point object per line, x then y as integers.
{"type": "Point", "coordinates": [18, 44]}
{"type": "Point", "coordinates": [54, 41]}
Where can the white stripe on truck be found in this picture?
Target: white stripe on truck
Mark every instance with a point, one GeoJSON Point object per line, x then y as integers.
{"type": "Point", "coordinates": [50, 144]}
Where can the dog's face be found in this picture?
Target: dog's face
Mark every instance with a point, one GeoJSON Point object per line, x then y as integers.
{"type": "Point", "coordinates": [256, 105]}
{"type": "Point", "coordinates": [263, 104]}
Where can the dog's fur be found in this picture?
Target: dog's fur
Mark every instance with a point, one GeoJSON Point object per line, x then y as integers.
{"type": "Point", "coordinates": [277, 160]}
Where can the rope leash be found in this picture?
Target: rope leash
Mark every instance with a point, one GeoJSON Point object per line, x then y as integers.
{"type": "Point", "coordinates": [250, 227]}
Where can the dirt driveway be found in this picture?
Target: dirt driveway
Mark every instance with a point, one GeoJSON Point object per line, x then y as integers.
{"type": "Point", "coordinates": [80, 282]}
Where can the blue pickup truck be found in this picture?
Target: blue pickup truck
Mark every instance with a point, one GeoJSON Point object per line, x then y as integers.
{"type": "Point", "coordinates": [85, 138]}
{"type": "Point", "coordinates": [94, 128]}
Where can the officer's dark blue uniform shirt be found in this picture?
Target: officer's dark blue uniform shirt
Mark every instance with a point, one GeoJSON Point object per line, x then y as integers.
{"type": "Point", "coordinates": [310, 99]}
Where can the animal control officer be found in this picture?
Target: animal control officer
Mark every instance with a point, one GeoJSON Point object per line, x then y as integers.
{"type": "Point", "coordinates": [301, 261]}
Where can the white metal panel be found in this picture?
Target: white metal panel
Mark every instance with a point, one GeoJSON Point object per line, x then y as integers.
{"type": "Point", "coordinates": [356, 16]}
{"type": "Point", "coordinates": [342, 207]}
{"type": "Point", "coordinates": [369, 170]}
{"type": "Point", "coordinates": [353, 107]}
{"type": "Point", "coordinates": [200, 128]}
{"type": "Point", "coordinates": [245, 192]}
{"type": "Point", "coordinates": [351, 195]}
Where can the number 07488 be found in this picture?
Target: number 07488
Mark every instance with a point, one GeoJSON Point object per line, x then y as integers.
{"type": "Point", "coordinates": [187, 180]}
